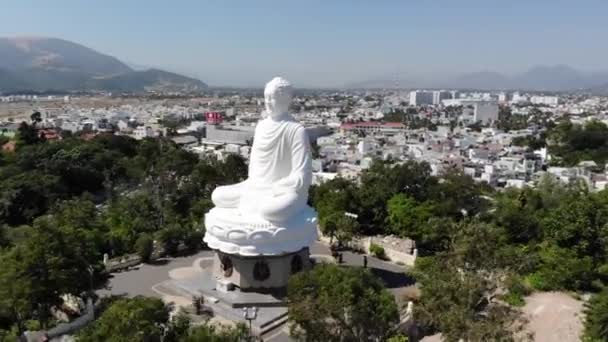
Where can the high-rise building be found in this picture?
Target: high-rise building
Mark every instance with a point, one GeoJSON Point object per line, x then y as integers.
{"type": "Point", "coordinates": [421, 97]}
{"type": "Point", "coordinates": [517, 98]}
{"type": "Point", "coordinates": [503, 97]}
{"type": "Point", "coordinates": [475, 110]}
{"type": "Point", "coordinates": [440, 95]}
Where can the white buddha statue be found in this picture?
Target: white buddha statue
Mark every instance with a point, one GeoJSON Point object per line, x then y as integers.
{"type": "Point", "coordinates": [267, 213]}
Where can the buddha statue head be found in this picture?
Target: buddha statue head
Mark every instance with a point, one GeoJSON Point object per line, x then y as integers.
{"type": "Point", "coordinates": [277, 96]}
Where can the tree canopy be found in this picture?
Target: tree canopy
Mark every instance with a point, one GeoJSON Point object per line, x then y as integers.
{"type": "Point", "coordinates": [329, 303]}
{"type": "Point", "coordinates": [63, 204]}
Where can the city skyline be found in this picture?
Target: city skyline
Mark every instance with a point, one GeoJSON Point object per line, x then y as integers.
{"type": "Point", "coordinates": [320, 44]}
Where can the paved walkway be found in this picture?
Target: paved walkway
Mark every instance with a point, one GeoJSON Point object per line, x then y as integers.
{"type": "Point", "coordinates": [139, 281]}
{"type": "Point", "coordinates": [146, 279]}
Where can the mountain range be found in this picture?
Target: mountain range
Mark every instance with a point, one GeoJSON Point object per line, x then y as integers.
{"type": "Point", "coordinates": [539, 78]}
{"type": "Point", "coordinates": [51, 64]}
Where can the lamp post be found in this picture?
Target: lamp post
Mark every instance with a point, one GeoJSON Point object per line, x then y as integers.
{"type": "Point", "coordinates": [250, 313]}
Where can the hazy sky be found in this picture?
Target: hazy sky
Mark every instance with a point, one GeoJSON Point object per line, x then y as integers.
{"type": "Point", "coordinates": [324, 42]}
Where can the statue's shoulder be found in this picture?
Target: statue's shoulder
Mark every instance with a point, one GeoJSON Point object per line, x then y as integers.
{"type": "Point", "coordinates": [296, 127]}
{"type": "Point", "coordinates": [296, 124]}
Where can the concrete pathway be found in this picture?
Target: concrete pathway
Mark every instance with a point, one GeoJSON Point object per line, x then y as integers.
{"type": "Point", "coordinates": [140, 281]}
{"type": "Point", "coordinates": [147, 279]}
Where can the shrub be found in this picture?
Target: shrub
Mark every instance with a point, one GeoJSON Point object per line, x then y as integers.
{"type": "Point", "coordinates": [377, 251]}
{"type": "Point", "coordinates": [537, 282]}
{"type": "Point", "coordinates": [596, 317]}
{"type": "Point", "coordinates": [398, 338]}
{"type": "Point", "coordinates": [194, 240]}
{"type": "Point", "coordinates": [562, 269]}
{"type": "Point", "coordinates": [143, 246]}
{"type": "Point", "coordinates": [170, 239]}
{"type": "Point", "coordinates": [602, 271]}
{"type": "Point", "coordinates": [516, 291]}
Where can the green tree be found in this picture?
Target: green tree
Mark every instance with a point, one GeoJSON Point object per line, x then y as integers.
{"type": "Point", "coordinates": [36, 117]}
{"type": "Point", "coordinates": [398, 338]}
{"type": "Point", "coordinates": [4, 241]}
{"type": "Point", "coordinates": [43, 265]}
{"type": "Point", "coordinates": [336, 195]}
{"type": "Point", "coordinates": [128, 217]}
{"type": "Point", "coordinates": [385, 179]}
{"type": "Point", "coordinates": [143, 246]}
{"type": "Point", "coordinates": [208, 332]}
{"type": "Point", "coordinates": [406, 217]}
{"type": "Point", "coordinates": [15, 291]}
{"type": "Point", "coordinates": [339, 226]}
{"type": "Point", "coordinates": [27, 135]}
{"type": "Point", "coordinates": [579, 224]}
{"type": "Point", "coordinates": [329, 303]}
{"type": "Point", "coordinates": [562, 269]}
{"type": "Point", "coordinates": [519, 212]}
{"type": "Point", "coordinates": [27, 195]}
{"type": "Point", "coordinates": [571, 143]}
{"type": "Point", "coordinates": [80, 222]}
{"type": "Point", "coordinates": [52, 266]}
{"type": "Point", "coordinates": [129, 320]}
{"type": "Point", "coordinates": [458, 195]}
{"type": "Point", "coordinates": [170, 238]}
{"type": "Point", "coordinates": [459, 286]}
{"type": "Point", "coordinates": [461, 304]}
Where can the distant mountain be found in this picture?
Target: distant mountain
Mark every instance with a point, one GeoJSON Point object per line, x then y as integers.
{"type": "Point", "coordinates": [547, 78]}
{"type": "Point", "coordinates": [20, 53]}
{"type": "Point", "coordinates": [601, 89]}
{"type": "Point", "coordinates": [8, 81]}
{"type": "Point", "coordinates": [152, 79]}
{"type": "Point", "coordinates": [481, 80]}
{"type": "Point", "coordinates": [42, 64]}
{"type": "Point", "coordinates": [376, 84]}
{"type": "Point", "coordinates": [557, 77]}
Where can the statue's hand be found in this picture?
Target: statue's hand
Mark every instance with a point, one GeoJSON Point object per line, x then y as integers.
{"type": "Point", "coordinates": [227, 196]}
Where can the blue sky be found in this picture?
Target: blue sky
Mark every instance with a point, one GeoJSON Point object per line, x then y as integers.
{"type": "Point", "coordinates": [324, 42]}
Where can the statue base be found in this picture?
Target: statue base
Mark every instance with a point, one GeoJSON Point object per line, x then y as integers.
{"type": "Point", "coordinates": [262, 274]}
{"type": "Point", "coordinates": [228, 231]}
{"type": "Point", "coordinates": [255, 254]}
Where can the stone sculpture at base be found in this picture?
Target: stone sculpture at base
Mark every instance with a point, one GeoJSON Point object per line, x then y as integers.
{"type": "Point", "coordinates": [266, 215]}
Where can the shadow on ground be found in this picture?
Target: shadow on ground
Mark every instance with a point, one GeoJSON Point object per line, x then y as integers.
{"type": "Point", "coordinates": [393, 279]}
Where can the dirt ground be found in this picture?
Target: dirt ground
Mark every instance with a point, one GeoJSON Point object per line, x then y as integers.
{"type": "Point", "coordinates": [553, 317]}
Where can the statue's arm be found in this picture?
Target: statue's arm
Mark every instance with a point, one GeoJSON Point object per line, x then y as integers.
{"type": "Point", "coordinates": [300, 178]}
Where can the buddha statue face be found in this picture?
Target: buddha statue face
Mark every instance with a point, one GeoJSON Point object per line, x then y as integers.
{"type": "Point", "coordinates": [277, 96]}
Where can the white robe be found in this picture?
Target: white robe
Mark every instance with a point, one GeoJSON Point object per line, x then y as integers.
{"type": "Point", "coordinates": [279, 167]}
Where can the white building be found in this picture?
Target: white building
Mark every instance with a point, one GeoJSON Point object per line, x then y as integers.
{"type": "Point", "coordinates": [475, 110]}
{"type": "Point", "coordinates": [141, 132]}
{"type": "Point", "coordinates": [479, 111]}
{"type": "Point", "coordinates": [419, 98]}
{"type": "Point", "coordinates": [518, 98]}
{"type": "Point", "coordinates": [503, 97]}
{"type": "Point", "coordinates": [440, 95]}
{"type": "Point", "coordinates": [545, 100]}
